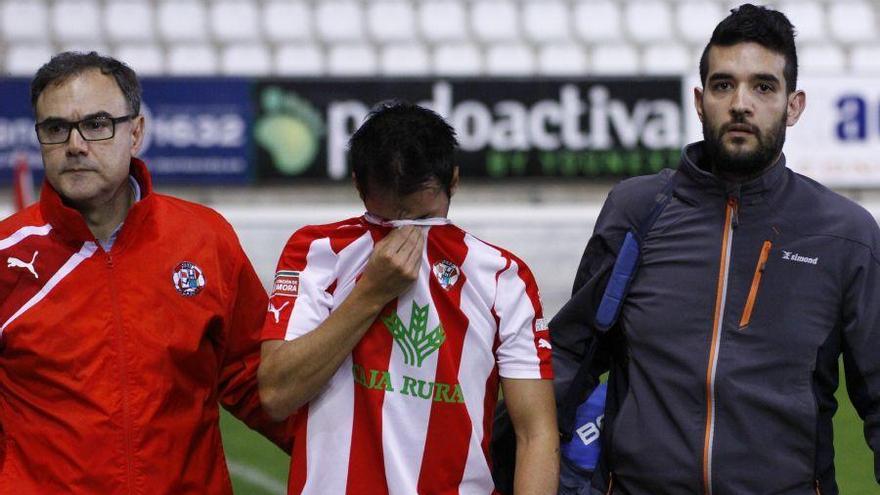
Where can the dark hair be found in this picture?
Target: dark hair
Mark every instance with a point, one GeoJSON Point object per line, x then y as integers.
{"type": "Point", "coordinates": [766, 27]}
{"type": "Point", "coordinates": [401, 148]}
{"type": "Point", "coordinates": [69, 64]}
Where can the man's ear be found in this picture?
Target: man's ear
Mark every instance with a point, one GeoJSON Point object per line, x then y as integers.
{"type": "Point", "coordinates": [698, 102]}
{"type": "Point", "coordinates": [797, 102]}
{"type": "Point", "coordinates": [453, 184]}
{"type": "Point", "coordinates": [138, 126]}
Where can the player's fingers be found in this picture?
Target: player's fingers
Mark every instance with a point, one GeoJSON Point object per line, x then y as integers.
{"type": "Point", "coordinates": [414, 256]}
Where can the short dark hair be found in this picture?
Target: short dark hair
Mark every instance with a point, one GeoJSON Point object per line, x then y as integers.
{"type": "Point", "coordinates": [766, 27]}
{"type": "Point", "coordinates": [402, 148]}
{"type": "Point", "coordinates": [68, 64]}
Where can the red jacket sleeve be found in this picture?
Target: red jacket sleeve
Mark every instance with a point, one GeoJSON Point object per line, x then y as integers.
{"type": "Point", "coordinates": [238, 388]}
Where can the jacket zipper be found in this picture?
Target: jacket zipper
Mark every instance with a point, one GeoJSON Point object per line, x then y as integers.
{"type": "Point", "coordinates": [818, 490]}
{"type": "Point", "coordinates": [756, 283]}
{"type": "Point", "coordinates": [610, 483]}
{"type": "Point", "coordinates": [720, 298]}
{"type": "Point", "coordinates": [126, 413]}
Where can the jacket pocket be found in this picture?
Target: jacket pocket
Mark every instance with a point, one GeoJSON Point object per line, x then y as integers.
{"type": "Point", "coordinates": [756, 284]}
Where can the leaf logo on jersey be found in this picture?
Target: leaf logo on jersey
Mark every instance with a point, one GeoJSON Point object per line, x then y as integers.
{"type": "Point", "coordinates": [415, 342]}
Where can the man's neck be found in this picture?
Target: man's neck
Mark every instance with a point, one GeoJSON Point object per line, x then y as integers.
{"type": "Point", "coordinates": [739, 178]}
{"type": "Point", "coordinates": [103, 218]}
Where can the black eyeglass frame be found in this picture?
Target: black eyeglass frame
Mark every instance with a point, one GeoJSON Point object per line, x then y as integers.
{"type": "Point", "coordinates": [71, 125]}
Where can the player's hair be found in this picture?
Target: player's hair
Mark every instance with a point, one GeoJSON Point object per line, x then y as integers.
{"type": "Point", "coordinates": [402, 148]}
{"type": "Point", "coordinates": [766, 27]}
{"type": "Point", "coordinates": [68, 64]}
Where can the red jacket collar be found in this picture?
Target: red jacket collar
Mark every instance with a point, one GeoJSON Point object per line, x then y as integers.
{"type": "Point", "coordinates": [68, 222]}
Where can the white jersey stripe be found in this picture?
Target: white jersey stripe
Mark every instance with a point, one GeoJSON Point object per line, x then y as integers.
{"type": "Point", "coordinates": [312, 305]}
{"type": "Point", "coordinates": [517, 355]}
{"type": "Point", "coordinates": [87, 250]}
{"type": "Point", "coordinates": [24, 232]}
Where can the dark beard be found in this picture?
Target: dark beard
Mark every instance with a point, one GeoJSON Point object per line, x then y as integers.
{"type": "Point", "coordinates": [743, 165]}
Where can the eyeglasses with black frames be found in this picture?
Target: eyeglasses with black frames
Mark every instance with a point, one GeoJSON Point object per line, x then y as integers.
{"type": "Point", "coordinates": [93, 128]}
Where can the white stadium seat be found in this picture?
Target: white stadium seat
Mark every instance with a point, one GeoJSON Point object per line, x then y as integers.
{"type": "Point", "coordinates": [821, 59]}
{"type": "Point", "coordinates": [669, 59]}
{"type": "Point", "coordinates": [458, 59]}
{"type": "Point", "coordinates": [546, 21]}
{"type": "Point", "coordinates": [182, 20]}
{"type": "Point", "coordinates": [598, 21]}
{"type": "Point", "coordinates": [852, 21]}
{"type": "Point", "coordinates": [235, 21]}
{"type": "Point", "coordinates": [510, 59]}
{"type": "Point", "coordinates": [648, 21]}
{"type": "Point", "coordinates": [287, 21]}
{"type": "Point", "coordinates": [145, 59]}
{"type": "Point", "coordinates": [442, 21]}
{"type": "Point", "coordinates": [696, 19]}
{"type": "Point", "coordinates": [391, 21]}
{"type": "Point", "coordinates": [24, 20]}
{"type": "Point", "coordinates": [25, 59]}
{"type": "Point", "coordinates": [299, 59]}
{"type": "Point", "coordinates": [250, 59]}
{"type": "Point", "coordinates": [129, 20]}
{"type": "Point", "coordinates": [494, 21]}
{"type": "Point", "coordinates": [408, 59]}
{"type": "Point", "coordinates": [566, 59]}
{"type": "Point", "coordinates": [353, 59]}
{"type": "Point", "coordinates": [76, 20]}
{"type": "Point", "coordinates": [614, 59]}
{"type": "Point", "coordinates": [808, 18]}
{"type": "Point", "coordinates": [84, 47]}
{"type": "Point", "coordinates": [192, 60]}
{"type": "Point", "coordinates": [865, 59]}
{"type": "Point", "coordinates": [339, 21]}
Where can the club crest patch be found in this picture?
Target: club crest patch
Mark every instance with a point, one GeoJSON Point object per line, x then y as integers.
{"type": "Point", "coordinates": [188, 279]}
{"type": "Point", "coordinates": [286, 284]}
{"type": "Point", "coordinates": [446, 273]}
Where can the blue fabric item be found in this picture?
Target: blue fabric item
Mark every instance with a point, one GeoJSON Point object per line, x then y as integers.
{"type": "Point", "coordinates": [618, 283]}
{"type": "Point", "coordinates": [584, 448]}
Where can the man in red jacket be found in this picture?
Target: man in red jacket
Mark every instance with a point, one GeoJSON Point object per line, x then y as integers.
{"type": "Point", "coordinates": [118, 337]}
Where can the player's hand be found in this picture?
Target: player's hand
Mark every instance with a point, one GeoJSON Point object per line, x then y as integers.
{"type": "Point", "coordinates": [394, 264]}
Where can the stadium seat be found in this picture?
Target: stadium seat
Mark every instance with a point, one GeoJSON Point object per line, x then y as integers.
{"type": "Point", "coordinates": [865, 59]}
{"type": "Point", "coordinates": [494, 21]}
{"type": "Point", "coordinates": [598, 21]}
{"type": "Point", "coordinates": [808, 18]}
{"type": "Point", "coordinates": [696, 19]}
{"type": "Point", "coordinates": [339, 21]}
{"type": "Point", "coordinates": [821, 59]}
{"type": "Point", "coordinates": [546, 21]}
{"type": "Point", "coordinates": [352, 59]}
{"type": "Point", "coordinates": [458, 59]}
{"type": "Point", "coordinates": [442, 21]}
{"type": "Point", "coordinates": [24, 59]}
{"type": "Point", "coordinates": [145, 59]}
{"type": "Point", "coordinates": [83, 46]}
{"type": "Point", "coordinates": [390, 21]}
{"type": "Point", "coordinates": [565, 59]}
{"type": "Point", "coordinates": [648, 21]}
{"type": "Point", "coordinates": [299, 59]}
{"type": "Point", "coordinates": [23, 21]}
{"type": "Point", "coordinates": [129, 20]}
{"type": "Point", "coordinates": [668, 59]}
{"type": "Point", "coordinates": [182, 20]}
{"type": "Point", "coordinates": [235, 21]}
{"type": "Point", "coordinates": [510, 59]}
{"type": "Point", "coordinates": [287, 21]}
{"type": "Point", "coordinates": [409, 59]}
{"type": "Point", "coordinates": [192, 60]}
{"type": "Point", "coordinates": [76, 20]}
{"type": "Point", "coordinates": [247, 59]}
{"type": "Point", "coordinates": [614, 59]}
{"type": "Point", "coordinates": [852, 21]}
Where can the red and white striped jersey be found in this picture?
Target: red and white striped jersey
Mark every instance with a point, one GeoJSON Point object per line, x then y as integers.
{"type": "Point", "coordinates": [410, 410]}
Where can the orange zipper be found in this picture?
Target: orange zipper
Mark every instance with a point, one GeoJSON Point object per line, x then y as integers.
{"type": "Point", "coordinates": [818, 490]}
{"type": "Point", "coordinates": [611, 483]}
{"type": "Point", "coordinates": [756, 282]}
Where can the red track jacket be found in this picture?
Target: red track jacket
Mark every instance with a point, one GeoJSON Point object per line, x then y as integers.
{"type": "Point", "coordinates": [112, 363]}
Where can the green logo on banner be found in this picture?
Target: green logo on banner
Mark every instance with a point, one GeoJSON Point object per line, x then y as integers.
{"type": "Point", "coordinates": [415, 342]}
{"type": "Point", "coordinates": [289, 130]}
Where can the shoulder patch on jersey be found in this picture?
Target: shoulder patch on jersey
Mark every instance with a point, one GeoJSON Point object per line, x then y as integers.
{"type": "Point", "coordinates": [188, 279]}
{"type": "Point", "coordinates": [286, 284]}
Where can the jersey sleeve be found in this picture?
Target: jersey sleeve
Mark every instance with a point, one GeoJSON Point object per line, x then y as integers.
{"type": "Point", "coordinates": [524, 341]}
{"type": "Point", "coordinates": [300, 299]}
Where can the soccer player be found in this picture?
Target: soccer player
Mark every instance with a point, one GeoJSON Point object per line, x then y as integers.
{"type": "Point", "coordinates": [389, 333]}
{"type": "Point", "coordinates": [118, 337]}
{"type": "Point", "coordinates": [752, 283]}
